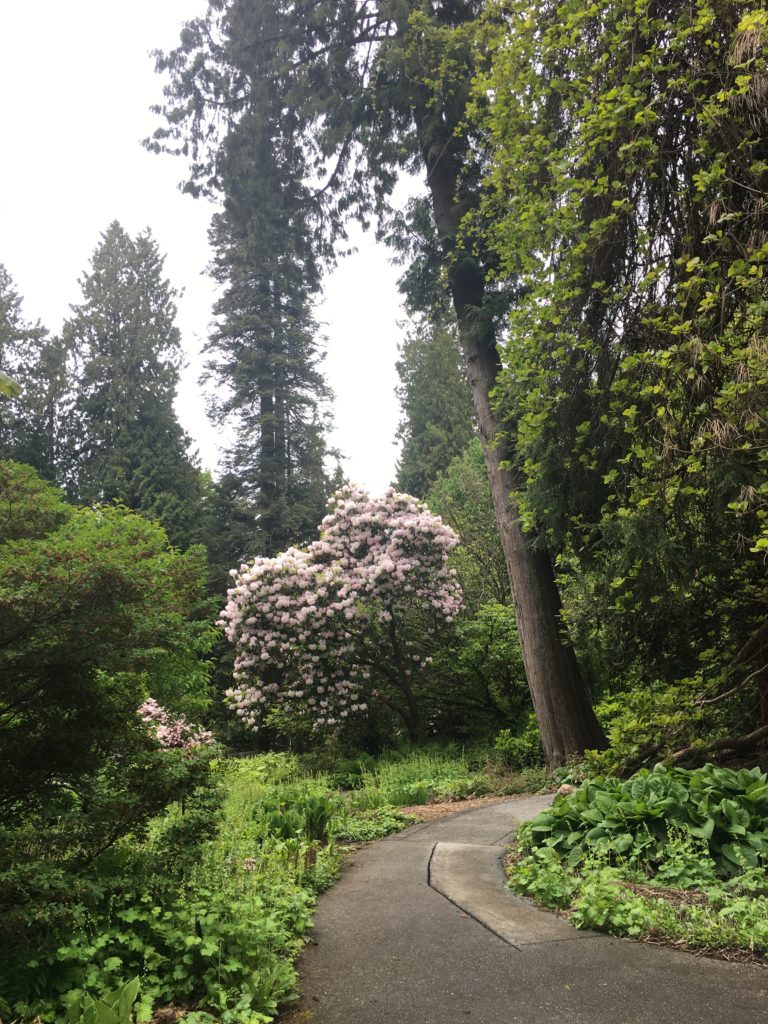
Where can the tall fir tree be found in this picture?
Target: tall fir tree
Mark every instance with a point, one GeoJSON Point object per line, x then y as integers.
{"type": "Point", "coordinates": [264, 351]}
{"type": "Point", "coordinates": [124, 442]}
{"type": "Point", "coordinates": [437, 423]}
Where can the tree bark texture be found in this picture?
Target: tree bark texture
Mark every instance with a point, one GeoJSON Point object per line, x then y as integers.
{"type": "Point", "coordinates": [562, 706]}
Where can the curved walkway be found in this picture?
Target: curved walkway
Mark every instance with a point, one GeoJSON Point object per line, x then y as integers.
{"type": "Point", "coordinates": [420, 930]}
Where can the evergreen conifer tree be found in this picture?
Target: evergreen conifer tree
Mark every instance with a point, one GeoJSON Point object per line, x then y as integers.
{"type": "Point", "coordinates": [437, 422]}
{"type": "Point", "coordinates": [264, 353]}
{"type": "Point", "coordinates": [123, 440]}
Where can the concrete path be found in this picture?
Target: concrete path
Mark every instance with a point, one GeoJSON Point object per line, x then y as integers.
{"type": "Point", "coordinates": [420, 930]}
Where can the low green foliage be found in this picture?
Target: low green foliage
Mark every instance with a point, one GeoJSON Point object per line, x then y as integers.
{"type": "Point", "coordinates": [308, 816]}
{"type": "Point", "coordinates": [112, 1008]}
{"type": "Point", "coordinates": [520, 749]}
{"type": "Point", "coordinates": [647, 722]}
{"type": "Point", "coordinates": [361, 826]}
{"type": "Point", "coordinates": [668, 853]}
{"type": "Point", "coordinates": [633, 818]}
{"type": "Point", "coordinates": [208, 908]}
{"type": "Point", "coordinates": [418, 778]}
{"type": "Point", "coordinates": [348, 771]}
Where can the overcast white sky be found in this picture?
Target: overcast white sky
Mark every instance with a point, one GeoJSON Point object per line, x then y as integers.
{"type": "Point", "coordinates": [76, 84]}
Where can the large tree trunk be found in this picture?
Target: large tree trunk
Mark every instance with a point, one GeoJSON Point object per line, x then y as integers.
{"type": "Point", "coordinates": [563, 709]}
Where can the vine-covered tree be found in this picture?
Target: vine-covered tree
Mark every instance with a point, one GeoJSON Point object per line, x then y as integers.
{"type": "Point", "coordinates": [350, 94]}
{"type": "Point", "coordinates": [436, 406]}
{"type": "Point", "coordinates": [124, 442]}
{"type": "Point", "coordinates": [630, 197]}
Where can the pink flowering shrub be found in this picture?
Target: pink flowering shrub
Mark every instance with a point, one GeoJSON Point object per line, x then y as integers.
{"type": "Point", "coordinates": [321, 631]}
{"type": "Point", "coordinates": [173, 731]}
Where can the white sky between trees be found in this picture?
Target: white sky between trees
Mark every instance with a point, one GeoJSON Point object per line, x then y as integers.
{"type": "Point", "coordinates": [77, 82]}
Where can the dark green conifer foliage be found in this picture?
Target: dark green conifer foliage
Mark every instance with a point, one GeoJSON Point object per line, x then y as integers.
{"type": "Point", "coordinates": [437, 422]}
{"type": "Point", "coordinates": [264, 352]}
{"type": "Point", "coordinates": [30, 423]}
{"type": "Point", "coordinates": [123, 440]}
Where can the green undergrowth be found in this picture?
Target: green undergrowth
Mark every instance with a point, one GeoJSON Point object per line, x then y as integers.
{"type": "Point", "coordinates": [415, 777]}
{"type": "Point", "coordinates": [208, 909]}
{"type": "Point", "coordinates": [668, 854]}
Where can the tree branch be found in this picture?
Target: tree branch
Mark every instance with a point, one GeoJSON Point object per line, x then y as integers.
{"type": "Point", "coordinates": [735, 743]}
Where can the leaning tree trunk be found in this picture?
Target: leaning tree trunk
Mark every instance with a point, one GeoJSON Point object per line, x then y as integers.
{"type": "Point", "coordinates": [563, 709]}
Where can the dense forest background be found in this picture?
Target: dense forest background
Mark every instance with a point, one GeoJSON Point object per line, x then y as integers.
{"type": "Point", "coordinates": [584, 279]}
{"type": "Point", "coordinates": [583, 385]}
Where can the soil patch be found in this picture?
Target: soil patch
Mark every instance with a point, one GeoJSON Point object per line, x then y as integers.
{"type": "Point", "coordinates": [441, 809]}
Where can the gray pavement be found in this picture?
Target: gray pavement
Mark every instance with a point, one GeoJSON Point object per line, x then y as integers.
{"type": "Point", "coordinates": [420, 930]}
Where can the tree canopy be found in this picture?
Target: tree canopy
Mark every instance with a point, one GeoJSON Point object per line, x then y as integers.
{"type": "Point", "coordinates": [436, 423]}
{"type": "Point", "coordinates": [34, 364]}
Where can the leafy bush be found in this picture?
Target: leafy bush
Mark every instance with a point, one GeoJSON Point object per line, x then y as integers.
{"type": "Point", "coordinates": [308, 816]}
{"type": "Point", "coordinates": [669, 853]}
{"type": "Point", "coordinates": [636, 819]}
{"type": "Point", "coordinates": [522, 749]}
{"type": "Point", "coordinates": [95, 609]}
{"type": "Point", "coordinates": [646, 722]}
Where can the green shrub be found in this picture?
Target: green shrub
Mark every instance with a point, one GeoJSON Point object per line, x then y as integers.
{"type": "Point", "coordinates": [306, 815]}
{"type": "Point", "coordinates": [637, 818]}
{"type": "Point", "coordinates": [520, 749]}
{"type": "Point", "coordinates": [670, 853]}
{"type": "Point", "coordinates": [208, 906]}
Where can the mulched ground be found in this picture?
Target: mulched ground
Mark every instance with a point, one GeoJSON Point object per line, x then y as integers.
{"type": "Point", "coordinates": [428, 812]}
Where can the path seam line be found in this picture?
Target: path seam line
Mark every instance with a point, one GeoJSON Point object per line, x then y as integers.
{"type": "Point", "coordinates": [463, 909]}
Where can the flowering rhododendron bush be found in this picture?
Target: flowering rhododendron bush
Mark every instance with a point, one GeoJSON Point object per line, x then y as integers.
{"type": "Point", "coordinates": [173, 731]}
{"type": "Point", "coordinates": [323, 630]}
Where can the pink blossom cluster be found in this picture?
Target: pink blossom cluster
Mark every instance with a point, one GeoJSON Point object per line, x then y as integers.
{"type": "Point", "coordinates": [308, 624]}
{"type": "Point", "coordinates": [173, 731]}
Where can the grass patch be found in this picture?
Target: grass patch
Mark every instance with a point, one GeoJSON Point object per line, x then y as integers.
{"type": "Point", "coordinates": [419, 777]}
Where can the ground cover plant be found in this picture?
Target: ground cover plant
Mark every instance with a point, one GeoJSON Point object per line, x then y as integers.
{"type": "Point", "coordinates": [669, 853]}
{"type": "Point", "coordinates": [207, 908]}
